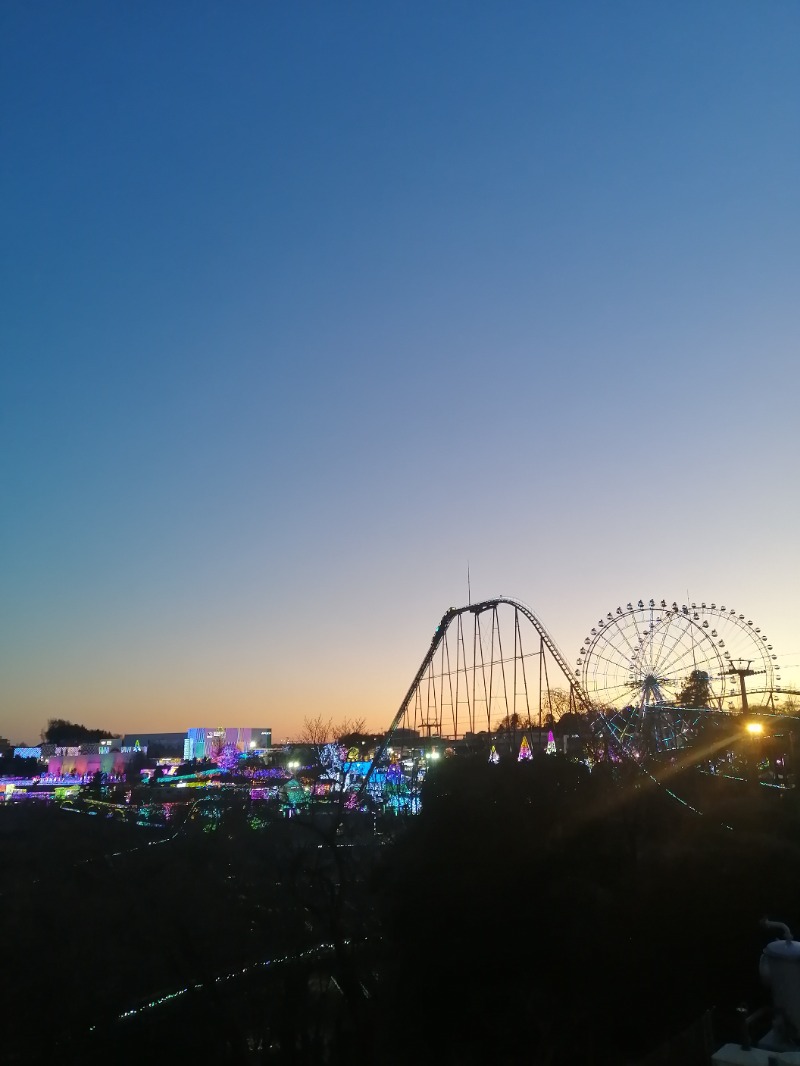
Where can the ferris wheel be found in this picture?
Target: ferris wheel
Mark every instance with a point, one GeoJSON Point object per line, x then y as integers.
{"type": "Point", "coordinates": [654, 654]}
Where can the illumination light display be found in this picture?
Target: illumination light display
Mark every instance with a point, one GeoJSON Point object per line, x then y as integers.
{"type": "Point", "coordinates": [320, 951]}
{"type": "Point", "coordinates": [228, 757]}
{"type": "Point", "coordinates": [525, 752]}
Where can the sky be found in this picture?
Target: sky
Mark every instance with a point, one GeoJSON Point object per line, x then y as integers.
{"type": "Point", "coordinates": [307, 308]}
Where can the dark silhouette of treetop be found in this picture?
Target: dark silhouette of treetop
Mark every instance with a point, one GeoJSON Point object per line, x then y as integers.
{"type": "Point", "coordinates": [60, 731]}
{"type": "Point", "coordinates": [697, 690]}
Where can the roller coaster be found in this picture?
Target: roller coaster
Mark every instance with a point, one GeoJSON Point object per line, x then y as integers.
{"type": "Point", "coordinates": [487, 661]}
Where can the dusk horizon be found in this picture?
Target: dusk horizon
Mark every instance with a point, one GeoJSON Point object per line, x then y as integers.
{"type": "Point", "coordinates": [309, 312]}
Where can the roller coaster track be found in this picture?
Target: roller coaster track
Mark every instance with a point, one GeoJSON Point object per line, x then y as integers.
{"type": "Point", "coordinates": [447, 618]}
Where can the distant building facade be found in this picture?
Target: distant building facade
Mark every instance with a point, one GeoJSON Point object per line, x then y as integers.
{"type": "Point", "coordinates": [153, 744]}
{"type": "Point", "coordinates": [207, 742]}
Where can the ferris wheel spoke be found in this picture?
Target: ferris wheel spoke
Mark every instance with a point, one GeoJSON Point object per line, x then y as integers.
{"type": "Point", "coordinates": [676, 635]}
{"type": "Point", "coordinates": [666, 626]}
{"type": "Point", "coordinates": [687, 646]}
{"type": "Point", "coordinates": [618, 637]}
{"type": "Point", "coordinates": [605, 683]}
{"type": "Point", "coordinates": [680, 659]}
{"type": "Point", "coordinates": [624, 665]}
{"type": "Point", "coordinates": [609, 693]}
{"type": "Point", "coordinates": [707, 657]}
{"type": "Point", "coordinates": [608, 653]}
{"type": "Point", "coordinates": [624, 633]}
{"type": "Point", "coordinates": [616, 686]}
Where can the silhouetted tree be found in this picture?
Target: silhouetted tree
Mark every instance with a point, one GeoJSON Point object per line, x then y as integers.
{"type": "Point", "coordinates": [134, 766]}
{"type": "Point", "coordinates": [556, 702]}
{"type": "Point", "coordinates": [60, 731]}
{"type": "Point", "coordinates": [512, 722]}
{"type": "Point", "coordinates": [349, 729]}
{"type": "Point", "coordinates": [15, 766]}
{"type": "Point", "coordinates": [697, 690]}
{"type": "Point", "coordinates": [316, 732]}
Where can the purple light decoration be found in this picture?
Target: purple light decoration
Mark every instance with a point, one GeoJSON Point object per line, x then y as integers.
{"type": "Point", "coordinates": [228, 757]}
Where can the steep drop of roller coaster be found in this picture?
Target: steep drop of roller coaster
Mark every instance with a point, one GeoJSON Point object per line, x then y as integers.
{"type": "Point", "coordinates": [488, 663]}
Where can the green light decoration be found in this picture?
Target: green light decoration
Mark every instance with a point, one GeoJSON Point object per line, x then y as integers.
{"type": "Point", "coordinates": [295, 793]}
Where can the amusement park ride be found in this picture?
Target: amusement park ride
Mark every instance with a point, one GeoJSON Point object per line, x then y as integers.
{"type": "Point", "coordinates": [646, 677]}
{"type": "Point", "coordinates": [656, 670]}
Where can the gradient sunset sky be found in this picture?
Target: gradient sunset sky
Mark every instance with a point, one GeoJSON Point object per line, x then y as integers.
{"type": "Point", "coordinates": [306, 306]}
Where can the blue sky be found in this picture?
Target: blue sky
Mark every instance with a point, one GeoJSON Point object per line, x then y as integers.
{"type": "Point", "coordinates": [305, 306]}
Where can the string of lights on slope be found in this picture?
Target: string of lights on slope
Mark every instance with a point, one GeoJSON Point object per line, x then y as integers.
{"type": "Point", "coordinates": [319, 951]}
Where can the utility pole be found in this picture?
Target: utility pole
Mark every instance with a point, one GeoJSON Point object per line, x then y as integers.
{"type": "Point", "coordinates": [741, 671]}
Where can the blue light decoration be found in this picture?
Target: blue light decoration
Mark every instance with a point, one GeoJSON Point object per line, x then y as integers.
{"type": "Point", "coordinates": [272, 772]}
{"type": "Point", "coordinates": [391, 787]}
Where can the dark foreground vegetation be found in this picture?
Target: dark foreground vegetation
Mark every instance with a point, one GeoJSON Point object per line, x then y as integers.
{"type": "Point", "coordinates": [533, 913]}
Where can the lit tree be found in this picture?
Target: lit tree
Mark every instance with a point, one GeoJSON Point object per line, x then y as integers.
{"type": "Point", "coordinates": [228, 757]}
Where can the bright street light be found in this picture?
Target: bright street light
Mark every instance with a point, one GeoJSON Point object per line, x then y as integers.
{"type": "Point", "coordinates": [755, 728]}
